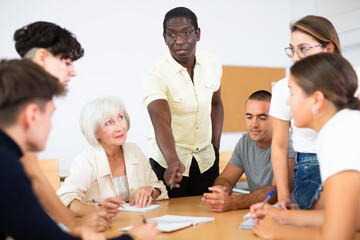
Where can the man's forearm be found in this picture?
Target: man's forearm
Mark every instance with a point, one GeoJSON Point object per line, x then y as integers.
{"type": "Point", "coordinates": [224, 182]}
{"type": "Point", "coordinates": [166, 142]}
{"type": "Point", "coordinates": [245, 201]}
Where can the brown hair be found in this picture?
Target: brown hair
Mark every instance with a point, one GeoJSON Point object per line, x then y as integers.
{"type": "Point", "coordinates": [261, 95]}
{"type": "Point", "coordinates": [319, 28]}
{"type": "Point", "coordinates": [331, 74]}
{"type": "Point", "coordinates": [23, 82]}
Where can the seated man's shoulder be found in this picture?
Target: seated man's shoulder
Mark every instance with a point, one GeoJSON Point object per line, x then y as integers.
{"type": "Point", "coordinates": [245, 139]}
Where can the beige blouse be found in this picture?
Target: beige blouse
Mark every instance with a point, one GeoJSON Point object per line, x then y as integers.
{"type": "Point", "coordinates": [90, 176]}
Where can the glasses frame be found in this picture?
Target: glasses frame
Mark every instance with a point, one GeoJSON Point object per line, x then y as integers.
{"type": "Point", "coordinates": [296, 50]}
{"type": "Point", "coordinates": [184, 35]}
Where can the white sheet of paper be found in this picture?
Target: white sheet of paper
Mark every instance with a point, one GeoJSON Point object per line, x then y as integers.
{"type": "Point", "coordinates": [248, 224]}
{"type": "Point", "coordinates": [169, 223]}
{"type": "Point", "coordinates": [247, 216]}
{"type": "Point", "coordinates": [127, 208]}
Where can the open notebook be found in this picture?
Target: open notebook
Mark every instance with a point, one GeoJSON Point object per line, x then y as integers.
{"type": "Point", "coordinates": [169, 223]}
{"type": "Point", "coordinates": [248, 223]}
{"type": "Point", "coordinates": [127, 208]}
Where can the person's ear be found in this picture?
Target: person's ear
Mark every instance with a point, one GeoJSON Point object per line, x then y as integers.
{"type": "Point", "coordinates": [319, 100]}
{"type": "Point", "coordinates": [330, 47]}
{"type": "Point", "coordinates": [31, 113]}
{"type": "Point", "coordinates": [198, 34]}
{"type": "Point", "coordinates": [40, 57]}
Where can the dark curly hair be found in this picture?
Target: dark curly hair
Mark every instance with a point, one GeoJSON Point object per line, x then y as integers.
{"type": "Point", "coordinates": [180, 12]}
{"type": "Point", "coordinates": [49, 36]}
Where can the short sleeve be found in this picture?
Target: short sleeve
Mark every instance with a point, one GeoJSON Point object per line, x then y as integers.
{"type": "Point", "coordinates": [237, 156]}
{"type": "Point", "coordinates": [153, 85]}
{"type": "Point", "coordinates": [218, 72]}
{"type": "Point", "coordinates": [278, 107]}
{"type": "Point", "coordinates": [338, 144]}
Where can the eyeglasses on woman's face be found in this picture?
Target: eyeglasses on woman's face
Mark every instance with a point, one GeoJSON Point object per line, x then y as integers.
{"type": "Point", "coordinates": [300, 51]}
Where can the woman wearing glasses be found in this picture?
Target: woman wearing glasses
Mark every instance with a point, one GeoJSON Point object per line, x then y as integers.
{"type": "Point", "coordinates": [310, 35]}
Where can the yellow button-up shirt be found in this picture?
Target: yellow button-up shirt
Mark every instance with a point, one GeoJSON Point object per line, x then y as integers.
{"type": "Point", "coordinates": [190, 106]}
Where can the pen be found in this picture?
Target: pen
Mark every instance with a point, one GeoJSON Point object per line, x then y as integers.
{"type": "Point", "coordinates": [97, 207]}
{"type": "Point", "coordinates": [288, 205]}
{"type": "Point", "coordinates": [173, 182]}
{"type": "Point", "coordinates": [143, 219]}
{"type": "Point", "coordinates": [203, 201]}
{"type": "Point", "coordinates": [267, 198]}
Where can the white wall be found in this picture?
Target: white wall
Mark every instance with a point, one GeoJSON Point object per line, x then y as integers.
{"type": "Point", "coordinates": [123, 38]}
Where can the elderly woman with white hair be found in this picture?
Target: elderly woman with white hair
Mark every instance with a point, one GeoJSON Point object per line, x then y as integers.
{"type": "Point", "coordinates": [111, 171]}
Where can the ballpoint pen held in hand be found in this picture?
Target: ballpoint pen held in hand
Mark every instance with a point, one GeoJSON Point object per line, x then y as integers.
{"type": "Point", "coordinates": [97, 207]}
{"type": "Point", "coordinates": [267, 198]}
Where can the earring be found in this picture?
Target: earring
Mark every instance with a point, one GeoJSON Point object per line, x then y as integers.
{"type": "Point", "coordinates": [315, 111]}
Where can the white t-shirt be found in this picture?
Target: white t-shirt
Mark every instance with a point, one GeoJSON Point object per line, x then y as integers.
{"type": "Point", "coordinates": [304, 139]}
{"type": "Point", "coordinates": [338, 144]}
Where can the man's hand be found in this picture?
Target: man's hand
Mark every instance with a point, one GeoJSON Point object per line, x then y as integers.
{"type": "Point", "coordinates": [170, 176]}
{"type": "Point", "coordinates": [219, 200]}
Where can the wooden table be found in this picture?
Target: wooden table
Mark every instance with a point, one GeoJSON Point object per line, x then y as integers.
{"type": "Point", "coordinates": [225, 226]}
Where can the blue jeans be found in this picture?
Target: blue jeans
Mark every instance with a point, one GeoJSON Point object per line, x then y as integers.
{"type": "Point", "coordinates": [307, 180]}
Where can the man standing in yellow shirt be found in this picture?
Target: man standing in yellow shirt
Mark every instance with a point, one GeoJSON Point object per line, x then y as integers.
{"type": "Point", "coordinates": [183, 97]}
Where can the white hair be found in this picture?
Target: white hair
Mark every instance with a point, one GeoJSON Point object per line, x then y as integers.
{"type": "Point", "coordinates": [96, 113]}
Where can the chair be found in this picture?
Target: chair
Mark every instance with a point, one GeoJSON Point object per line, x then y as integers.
{"type": "Point", "coordinates": [224, 158]}
{"type": "Point", "coordinates": [50, 168]}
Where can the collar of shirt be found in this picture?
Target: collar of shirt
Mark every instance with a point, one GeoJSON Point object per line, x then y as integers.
{"type": "Point", "coordinates": [177, 66]}
{"type": "Point", "coordinates": [102, 163]}
{"type": "Point", "coordinates": [10, 144]}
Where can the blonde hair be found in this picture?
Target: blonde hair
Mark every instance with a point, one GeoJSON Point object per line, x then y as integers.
{"type": "Point", "coordinates": [96, 113]}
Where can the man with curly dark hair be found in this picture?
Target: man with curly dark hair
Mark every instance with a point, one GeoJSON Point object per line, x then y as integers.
{"type": "Point", "coordinates": [52, 47]}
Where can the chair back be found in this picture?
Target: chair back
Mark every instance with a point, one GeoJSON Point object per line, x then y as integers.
{"type": "Point", "coordinates": [224, 158]}
{"type": "Point", "coordinates": [50, 168]}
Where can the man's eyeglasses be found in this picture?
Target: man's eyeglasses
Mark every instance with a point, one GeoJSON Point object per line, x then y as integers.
{"type": "Point", "coordinates": [300, 51]}
{"type": "Point", "coordinates": [185, 35]}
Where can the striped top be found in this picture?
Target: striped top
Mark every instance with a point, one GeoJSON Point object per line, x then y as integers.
{"type": "Point", "coordinates": [121, 187]}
